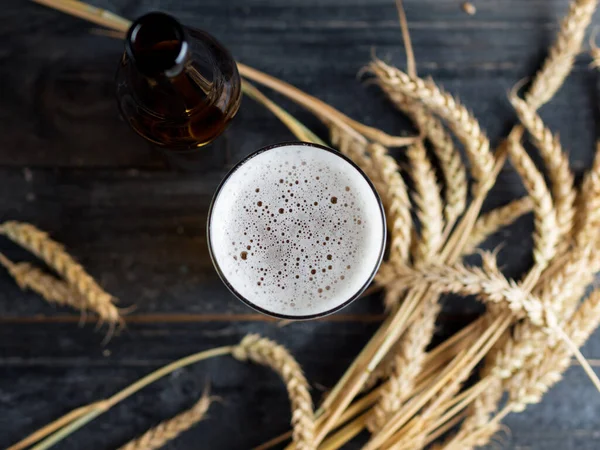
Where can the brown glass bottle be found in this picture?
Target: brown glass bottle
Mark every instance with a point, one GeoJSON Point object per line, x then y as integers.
{"type": "Point", "coordinates": [177, 87]}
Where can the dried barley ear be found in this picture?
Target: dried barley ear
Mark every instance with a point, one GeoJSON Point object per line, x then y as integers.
{"type": "Point", "coordinates": [556, 163]}
{"type": "Point", "coordinates": [79, 289]}
{"type": "Point", "coordinates": [546, 234]}
{"type": "Point", "coordinates": [268, 353]}
{"type": "Point", "coordinates": [594, 50]}
{"type": "Point", "coordinates": [166, 431]}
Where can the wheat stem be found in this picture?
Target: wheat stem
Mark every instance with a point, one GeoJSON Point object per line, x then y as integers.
{"type": "Point", "coordinates": [297, 128]}
{"type": "Point", "coordinates": [100, 407]}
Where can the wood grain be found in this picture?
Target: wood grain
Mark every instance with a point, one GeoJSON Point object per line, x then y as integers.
{"type": "Point", "coordinates": [71, 166]}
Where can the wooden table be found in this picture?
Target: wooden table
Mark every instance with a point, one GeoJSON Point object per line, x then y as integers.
{"type": "Point", "coordinates": [70, 165]}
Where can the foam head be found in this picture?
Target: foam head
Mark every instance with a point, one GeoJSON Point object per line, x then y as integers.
{"type": "Point", "coordinates": [296, 231]}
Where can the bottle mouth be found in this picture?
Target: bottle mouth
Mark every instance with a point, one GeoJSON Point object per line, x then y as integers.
{"type": "Point", "coordinates": [156, 44]}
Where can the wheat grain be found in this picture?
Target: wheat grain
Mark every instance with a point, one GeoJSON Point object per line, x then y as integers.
{"type": "Point", "coordinates": [266, 352]}
{"type": "Point", "coordinates": [562, 54]}
{"type": "Point", "coordinates": [556, 163]}
{"type": "Point", "coordinates": [491, 222]}
{"type": "Point", "coordinates": [545, 235]}
{"type": "Point", "coordinates": [168, 430]}
{"type": "Point", "coordinates": [525, 347]}
{"type": "Point", "coordinates": [462, 123]}
{"type": "Point", "coordinates": [53, 254]}
{"type": "Point", "coordinates": [443, 146]}
{"type": "Point", "coordinates": [428, 204]}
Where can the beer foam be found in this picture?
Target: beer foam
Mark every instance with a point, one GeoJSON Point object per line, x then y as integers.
{"type": "Point", "coordinates": [296, 231]}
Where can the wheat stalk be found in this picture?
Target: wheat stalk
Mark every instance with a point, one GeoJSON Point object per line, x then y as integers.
{"type": "Point", "coordinates": [428, 204]}
{"type": "Point", "coordinates": [462, 123]}
{"type": "Point", "coordinates": [492, 221]}
{"type": "Point", "coordinates": [562, 54]}
{"type": "Point", "coordinates": [168, 430]}
{"type": "Point", "coordinates": [53, 254]}
{"type": "Point", "coordinates": [481, 411]}
{"type": "Point", "coordinates": [408, 363]}
{"type": "Point", "coordinates": [556, 163]}
{"type": "Point", "coordinates": [266, 352]}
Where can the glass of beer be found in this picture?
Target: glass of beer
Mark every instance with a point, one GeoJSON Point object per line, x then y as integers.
{"type": "Point", "coordinates": [296, 231]}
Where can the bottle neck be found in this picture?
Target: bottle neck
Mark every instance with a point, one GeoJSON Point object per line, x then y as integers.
{"type": "Point", "coordinates": [157, 45]}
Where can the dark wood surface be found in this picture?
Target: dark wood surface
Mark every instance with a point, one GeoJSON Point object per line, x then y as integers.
{"type": "Point", "coordinates": [71, 166]}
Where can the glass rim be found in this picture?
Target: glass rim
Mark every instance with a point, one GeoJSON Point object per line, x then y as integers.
{"type": "Point", "coordinates": [249, 303]}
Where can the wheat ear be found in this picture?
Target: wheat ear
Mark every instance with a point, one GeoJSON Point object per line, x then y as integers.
{"type": "Point", "coordinates": [443, 146]}
{"type": "Point", "coordinates": [168, 430]}
{"type": "Point", "coordinates": [556, 163]}
{"type": "Point", "coordinates": [489, 285]}
{"type": "Point", "coordinates": [462, 123]}
{"type": "Point", "coordinates": [594, 50]}
{"type": "Point", "coordinates": [266, 352]}
{"type": "Point", "coordinates": [428, 204]}
{"type": "Point", "coordinates": [398, 204]}
{"type": "Point", "coordinates": [54, 290]}
{"type": "Point", "coordinates": [588, 217]}
{"type": "Point", "coordinates": [408, 363]}
{"type": "Point", "coordinates": [562, 54]}
{"type": "Point", "coordinates": [492, 221]}
{"type": "Point", "coordinates": [53, 254]}
{"type": "Point", "coordinates": [546, 234]}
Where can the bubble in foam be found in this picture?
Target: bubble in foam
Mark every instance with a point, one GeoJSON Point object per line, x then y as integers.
{"type": "Point", "coordinates": [300, 236]}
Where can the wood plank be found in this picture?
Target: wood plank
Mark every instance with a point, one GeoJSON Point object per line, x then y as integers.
{"type": "Point", "coordinates": [53, 368]}
{"type": "Point", "coordinates": [60, 111]}
{"type": "Point", "coordinates": [143, 235]}
{"type": "Point", "coordinates": [70, 165]}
